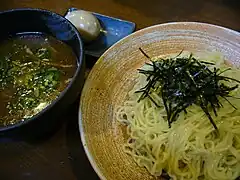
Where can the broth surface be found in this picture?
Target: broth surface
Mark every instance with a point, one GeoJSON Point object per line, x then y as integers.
{"type": "Point", "coordinates": [34, 70]}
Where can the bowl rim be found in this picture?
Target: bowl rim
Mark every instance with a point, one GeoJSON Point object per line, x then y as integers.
{"type": "Point", "coordinates": [80, 62]}
{"type": "Point", "coordinates": [80, 119]}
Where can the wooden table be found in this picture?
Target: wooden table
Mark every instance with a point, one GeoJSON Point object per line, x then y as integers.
{"type": "Point", "coordinates": [61, 155]}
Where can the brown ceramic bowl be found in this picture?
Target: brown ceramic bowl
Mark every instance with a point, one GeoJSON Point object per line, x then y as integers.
{"type": "Point", "coordinates": [113, 76]}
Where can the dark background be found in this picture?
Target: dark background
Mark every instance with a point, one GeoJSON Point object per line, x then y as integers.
{"type": "Point", "coordinates": [60, 155]}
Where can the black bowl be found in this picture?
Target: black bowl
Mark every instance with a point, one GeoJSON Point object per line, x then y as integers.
{"type": "Point", "coordinates": [36, 20]}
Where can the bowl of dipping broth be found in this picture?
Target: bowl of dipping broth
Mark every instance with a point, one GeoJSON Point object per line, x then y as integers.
{"type": "Point", "coordinates": [41, 69]}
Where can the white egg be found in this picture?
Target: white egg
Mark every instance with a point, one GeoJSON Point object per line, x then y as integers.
{"type": "Point", "coordinates": [86, 23]}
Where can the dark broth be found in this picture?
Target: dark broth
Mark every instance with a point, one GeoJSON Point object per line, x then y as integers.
{"type": "Point", "coordinates": [34, 69]}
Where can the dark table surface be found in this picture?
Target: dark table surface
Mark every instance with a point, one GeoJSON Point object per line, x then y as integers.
{"type": "Point", "coordinates": [60, 156]}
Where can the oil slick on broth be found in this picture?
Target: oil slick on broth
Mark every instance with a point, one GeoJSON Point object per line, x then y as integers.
{"type": "Point", "coordinates": [34, 69]}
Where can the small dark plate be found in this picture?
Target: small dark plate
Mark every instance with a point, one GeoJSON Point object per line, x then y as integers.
{"type": "Point", "coordinates": [114, 30]}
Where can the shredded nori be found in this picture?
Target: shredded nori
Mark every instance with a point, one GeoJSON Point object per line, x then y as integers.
{"type": "Point", "coordinates": [184, 81]}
